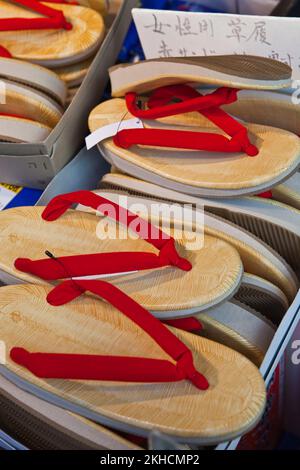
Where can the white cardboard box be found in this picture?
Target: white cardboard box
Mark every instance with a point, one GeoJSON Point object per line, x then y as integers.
{"type": "Point", "coordinates": [34, 165]}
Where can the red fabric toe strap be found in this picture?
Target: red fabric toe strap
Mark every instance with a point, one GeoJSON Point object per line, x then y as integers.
{"type": "Point", "coordinates": [161, 97]}
{"type": "Point", "coordinates": [116, 368]}
{"type": "Point", "coordinates": [184, 140]}
{"type": "Point", "coordinates": [186, 324]}
{"type": "Point", "coordinates": [99, 264]}
{"type": "Point", "coordinates": [191, 100]}
{"type": "Point", "coordinates": [104, 263]}
{"type": "Point", "coordinates": [55, 19]}
{"type": "Point", "coordinates": [60, 204]}
{"type": "Point", "coordinates": [15, 116]}
{"type": "Point", "coordinates": [5, 53]}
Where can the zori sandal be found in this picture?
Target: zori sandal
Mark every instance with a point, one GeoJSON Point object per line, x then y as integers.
{"type": "Point", "coordinates": [258, 258]}
{"type": "Point", "coordinates": [39, 425]}
{"type": "Point", "coordinates": [276, 224]}
{"type": "Point", "coordinates": [159, 377]}
{"type": "Point", "coordinates": [34, 76]}
{"type": "Point", "coordinates": [49, 34]}
{"type": "Point", "coordinates": [171, 137]}
{"type": "Point", "coordinates": [289, 192]}
{"type": "Point", "coordinates": [240, 328]}
{"type": "Point", "coordinates": [172, 279]}
{"type": "Point", "coordinates": [23, 101]}
{"type": "Point", "coordinates": [16, 129]}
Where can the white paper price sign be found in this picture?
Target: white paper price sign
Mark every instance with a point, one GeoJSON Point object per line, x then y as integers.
{"type": "Point", "coordinates": [182, 34]}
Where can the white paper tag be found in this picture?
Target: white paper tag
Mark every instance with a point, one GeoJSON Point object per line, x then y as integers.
{"type": "Point", "coordinates": [111, 130]}
{"type": "Point", "coordinates": [182, 34]}
{"type": "Point", "coordinates": [7, 194]}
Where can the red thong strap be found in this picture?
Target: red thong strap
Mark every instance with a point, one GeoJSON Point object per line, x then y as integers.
{"type": "Point", "coordinates": [63, 2]}
{"type": "Point", "coordinates": [191, 100]}
{"type": "Point", "coordinates": [55, 19]}
{"type": "Point", "coordinates": [104, 263]}
{"type": "Point", "coordinates": [114, 368]}
{"type": "Point", "coordinates": [5, 53]}
{"type": "Point", "coordinates": [15, 116]}
{"type": "Point", "coordinates": [266, 195]}
{"type": "Point", "coordinates": [190, 324]}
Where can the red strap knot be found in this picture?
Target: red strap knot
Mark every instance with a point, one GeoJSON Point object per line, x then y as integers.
{"type": "Point", "coordinates": [19, 355]}
{"type": "Point", "coordinates": [186, 370]}
{"type": "Point", "coordinates": [24, 265]}
{"type": "Point", "coordinates": [66, 292]}
{"type": "Point", "coordinates": [120, 140]}
{"type": "Point", "coordinates": [241, 139]}
{"type": "Point", "coordinates": [225, 96]}
{"type": "Point", "coordinates": [169, 256]}
{"type": "Point", "coordinates": [60, 21]}
{"type": "Point", "coordinates": [5, 53]}
{"type": "Point", "coordinates": [34, 362]}
{"type": "Point", "coordinates": [23, 357]}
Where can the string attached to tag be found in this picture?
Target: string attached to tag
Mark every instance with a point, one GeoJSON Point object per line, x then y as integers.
{"type": "Point", "coordinates": [111, 130]}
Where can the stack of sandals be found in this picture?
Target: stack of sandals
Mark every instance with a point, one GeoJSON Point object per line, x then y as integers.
{"type": "Point", "coordinates": [111, 317]}
{"type": "Point", "coordinates": [41, 46]}
{"type": "Point", "coordinates": [74, 74]}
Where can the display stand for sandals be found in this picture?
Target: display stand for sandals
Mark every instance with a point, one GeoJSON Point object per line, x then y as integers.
{"type": "Point", "coordinates": [34, 165]}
